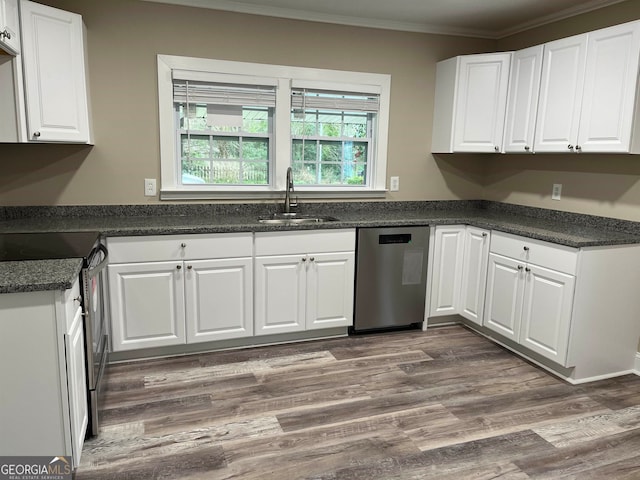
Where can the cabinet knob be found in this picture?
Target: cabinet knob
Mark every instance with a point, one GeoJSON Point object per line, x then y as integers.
{"type": "Point", "coordinates": [189, 267]}
{"type": "Point", "coordinates": [520, 267]}
{"type": "Point", "coordinates": [526, 249]}
{"type": "Point", "coordinates": [78, 299]}
{"type": "Point", "coordinates": [312, 259]}
{"type": "Point", "coordinates": [527, 269]}
{"type": "Point", "coordinates": [6, 34]}
{"type": "Point", "coordinates": [484, 234]}
{"type": "Point", "coordinates": [578, 148]}
{"type": "Point", "coordinates": [304, 259]}
{"type": "Point", "coordinates": [570, 147]}
{"type": "Point", "coordinates": [36, 134]}
{"type": "Point", "coordinates": [527, 148]}
{"type": "Point", "coordinates": [183, 245]}
{"type": "Point", "coordinates": [179, 267]}
{"type": "Point", "coordinates": [496, 148]}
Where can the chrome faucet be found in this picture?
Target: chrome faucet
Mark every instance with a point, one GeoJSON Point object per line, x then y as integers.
{"type": "Point", "coordinates": [288, 204]}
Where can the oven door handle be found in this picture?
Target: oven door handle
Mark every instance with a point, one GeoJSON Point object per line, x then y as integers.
{"type": "Point", "coordinates": [93, 271]}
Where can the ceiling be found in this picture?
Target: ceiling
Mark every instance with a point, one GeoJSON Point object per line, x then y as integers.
{"type": "Point", "coordinates": [474, 18]}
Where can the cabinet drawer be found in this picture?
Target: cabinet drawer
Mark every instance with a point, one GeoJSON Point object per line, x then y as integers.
{"type": "Point", "coordinates": [158, 248]}
{"type": "Point", "coordinates": [538, 252]}
{"type": "Point", "coordinates": [292, 243]}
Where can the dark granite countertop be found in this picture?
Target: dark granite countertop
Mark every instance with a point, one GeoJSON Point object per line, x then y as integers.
{"type": "Point", "coordinates": [574, 230]}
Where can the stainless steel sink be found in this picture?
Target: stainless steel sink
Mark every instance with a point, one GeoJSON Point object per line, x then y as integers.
{"type": "Point", "coordinates": [295, 219]}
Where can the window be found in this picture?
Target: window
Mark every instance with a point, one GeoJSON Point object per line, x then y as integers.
{"type": "Point", "coordinates": [231, 130]}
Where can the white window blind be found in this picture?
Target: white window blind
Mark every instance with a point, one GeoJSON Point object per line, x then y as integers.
{"type": "Point", "coordinates": [306, 99]}
{"type": "Point", "coordinates": [185, 91]}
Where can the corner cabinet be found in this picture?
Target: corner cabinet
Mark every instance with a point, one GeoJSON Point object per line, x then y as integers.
{"type": "Point", "coordinates": [177, 289]}
{"type": "Point", "coordinates": [470, 103]}
{"type": "Point", "coordinates": [459, 272]}
{"type": "Point", "coordinates": [44, 402]}
{"type": "Point", "coordinates": [55, 83]}
{"type": "Point", "coordinates": [303, 280]}
{"type": "Point", "coordinates": [588, 93]}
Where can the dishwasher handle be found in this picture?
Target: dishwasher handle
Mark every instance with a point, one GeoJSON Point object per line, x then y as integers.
{"type": "Point", "coordinates": [395, 238]}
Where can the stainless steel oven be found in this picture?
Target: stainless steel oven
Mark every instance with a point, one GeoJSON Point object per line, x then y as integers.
{"type": "Point", "coordinates": [95, 326]}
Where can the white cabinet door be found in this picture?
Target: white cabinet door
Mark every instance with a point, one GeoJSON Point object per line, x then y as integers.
{"type": "Point", "coordinates": [9, 26]}
{"type": "Point", "coordinates": [330, 290]}
{"type": "Point", "coordinates": [474, 274]}
{"type": "Point", "coordinates": [54, 74]}
{"type": "Point", "coordinates": [503, 304]}
{"type": "Point", "coordinates": [481, 102]}
{"type": "Point", "coordinates": [561, 94]}
{"type": "Point", "coordinates": [522, 105]}
{"type": "Point", "coordinates": [447, 270]}
{"type": "Point", "coordinates": [611, 78]}
{"type": "Point", "coordinates": [280, 294]}
{"type": "Point", "coordinates": [147, 305]}
{"type": "Point", "coordinates": [219, 304]}
{"type": "Point", "coordinates": [546, 314]}
{"type": "Point", "coordinates": [76, 384]}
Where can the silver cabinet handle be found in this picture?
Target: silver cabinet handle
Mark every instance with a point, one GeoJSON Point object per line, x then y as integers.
{"type": "Point", "coordinates": [496, 148]}
{"type": "Point", "coordinates": [78, 299]}
{"type": "Point", "coordinates": [189, 267]}
{"type": "Point", "coordinates": [527, 269]}
{"type": "Point", "coordinates": [484, 234]}
{"type": "Point", "coordinates": [526, 249]}
{"type": "Point", "coordinates": [179, 267]}
{"type": "Point", "coordinates": [304, 259]}
{"type": "Point", "coordinates": [6, 34]}
{"type": "Point", "coordinates": [312, 259]}
{"type": "Point", "coordinates": [183, 245]}
{"type": "Point", "coordinates": [527, 148]}
{"type": "Point", "coordinates": [36, 134]}
{"type": "Point", "coordinates": [520, 267]}
{"type": "Point", "coordinates": [570, 147]}
{"type": "Point", "coordinates": [578, 148]}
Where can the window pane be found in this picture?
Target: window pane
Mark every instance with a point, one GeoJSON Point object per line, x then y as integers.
{"type": "Point", "coordinates": [195, 146]}
{"type": "Point", "coordinates": [255, 149]}
{"type": "Point", "coordinates": [310, 150]}
{"type": "Point", "coordinates": [195, 172]}
{"type": "Point", "coordinates": [330, 152]}
{"type": "Point", "coordinates": [329, 125]}
{"type": "Point", "coordinates": [225, 173]}
{"type": "Point", "coordinates": [256, 173]}
{"type": "Point", "coordinates": [255, 120]}
{"type": "Point", "coordinates": [330, 175]}
{"type": "Point", "coordinates": [226, 148]}
{"type": "Point", "coordinates": [303, 124]}
{"type": "Point", "coordinates": [305, 173]}
{"type": "Point", "coordinates": [355, 173]}
{"type": "Point", "coordinates": [355, 126]}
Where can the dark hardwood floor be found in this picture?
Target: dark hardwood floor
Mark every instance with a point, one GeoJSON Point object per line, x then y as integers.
{"type": "Point", "coordinates": [445, 404]}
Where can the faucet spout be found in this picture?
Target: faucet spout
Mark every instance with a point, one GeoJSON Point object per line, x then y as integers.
{"type": "Point", "coordinates": [288, 204]}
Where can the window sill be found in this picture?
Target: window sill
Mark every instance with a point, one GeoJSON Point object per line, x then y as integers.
{"type": "Point", "coordinates": [301, 193]}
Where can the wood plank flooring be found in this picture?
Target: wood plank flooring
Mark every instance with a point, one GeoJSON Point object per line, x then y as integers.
{"type": "Point", "coordinates": [445, 404]}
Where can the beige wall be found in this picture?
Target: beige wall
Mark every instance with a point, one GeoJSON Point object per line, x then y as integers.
{"type": "Point", "coordinates": [124, 37]}
{"type": "Point", "coordinates": [607, 185]}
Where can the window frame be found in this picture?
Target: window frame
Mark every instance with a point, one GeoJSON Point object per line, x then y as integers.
{"type": "Point", "coordinates": [284, 78]}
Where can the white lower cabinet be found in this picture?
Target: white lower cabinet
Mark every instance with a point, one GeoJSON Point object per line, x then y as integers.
{"type": "Point", "coordinates": [304, 280]}
{"type": "Point", "coordinates": [191, 297]}
{"type": "Point", "coordinates": [44, 407]}
{"type": "Point", "coordinates": [529, 303]}
{"type": "Point", "coordinates": [459, 271]}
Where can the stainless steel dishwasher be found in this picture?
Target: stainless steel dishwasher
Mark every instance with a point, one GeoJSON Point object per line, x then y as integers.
{"type": "Point", "coordinates": [391, 278]}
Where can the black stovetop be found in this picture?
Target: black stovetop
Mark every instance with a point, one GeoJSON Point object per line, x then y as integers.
{"type": "Point", "coordinates": [42, 246]}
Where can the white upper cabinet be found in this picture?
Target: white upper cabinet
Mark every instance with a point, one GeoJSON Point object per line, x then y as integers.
{"type": "Point", "coordinates": [9, 27]}
{"type": "Point", "coordinates": [609, 98]}
{"type": "Point", "coordinates": [470, 103]}
{"type": "Point", "coordinates": [561, 94]}
{"type": "Point", "coordinates": [53, 58]}
{"type": "Point", "coordinates": [588, 92]}
{"type": "Point", "coordinates": [522, 105]}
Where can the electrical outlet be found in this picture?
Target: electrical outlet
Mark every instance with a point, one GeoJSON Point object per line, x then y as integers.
{"type": "Point", "coordinates": [149, 187]}
{"type": "Point", "coordinates": [556, 193]}
{"type": "Point", "coordinates": [394, 184]}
